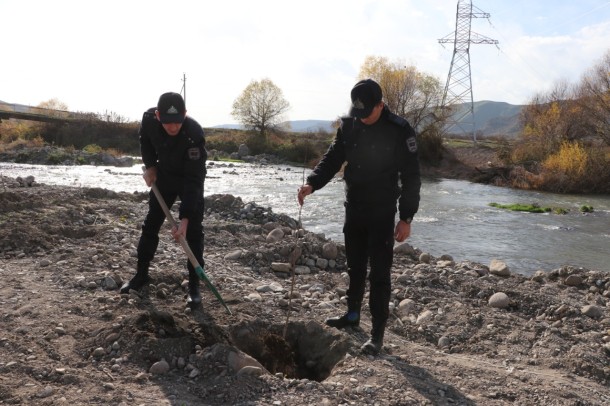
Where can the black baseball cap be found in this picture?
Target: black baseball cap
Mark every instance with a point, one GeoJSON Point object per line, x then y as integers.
{"type": "Point", "coordinates": [366, 94]}
{"type": "Point", "coordinates": [171, 108]}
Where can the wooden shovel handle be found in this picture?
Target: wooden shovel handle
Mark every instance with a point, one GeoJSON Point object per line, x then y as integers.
{"type": "Point", "coordinates": [170, 218]}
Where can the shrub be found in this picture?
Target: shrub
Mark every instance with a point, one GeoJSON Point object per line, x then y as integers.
{"type": "Point", "coordinates": [92, 149]}
{"type": "Point", "coordinates": [573, 169]}
{"type": "Point", "coordinates": [58, 157]}
{"type": "Point", "coordinates": [571, 160]}
{"type": "Point", "coordinates": [527, 152]}
{"type": "Point", "coordinates": [299, 152]}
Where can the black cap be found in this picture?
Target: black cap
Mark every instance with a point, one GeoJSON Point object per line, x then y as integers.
{"type": "Point", "coordinates": [366, 94]}
{"type": "Point", "coordinates": [171, 108]}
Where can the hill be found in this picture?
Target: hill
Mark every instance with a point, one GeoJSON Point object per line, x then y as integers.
{"type": "Point", "coordinates": [495, 118]}
{"type": "Point", "coordinates": [491, 118]}
{"type": "Point", "coordinates": [298, 126]}
{"type": "Point", "coordinates": [310, 126]}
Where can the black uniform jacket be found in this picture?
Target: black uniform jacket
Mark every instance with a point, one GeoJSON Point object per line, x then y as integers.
{"type": "Point", "coordinates": [180, 159]}
{"type": "Point", "coordinates": [381, 164]}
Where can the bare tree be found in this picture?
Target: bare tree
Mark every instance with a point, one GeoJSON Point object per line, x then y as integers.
{"type": "Point", "coordinates": [260, 107]}
{"type": "Point", "coordinates": [594, 98]}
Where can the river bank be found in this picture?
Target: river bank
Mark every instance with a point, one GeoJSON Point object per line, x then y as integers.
{"type": "Point", "coordinates": [460, 163]}
{"type": "Point", "coordinates": [460, 332]}
{"type": "Point", "coordinates": [455, 216]}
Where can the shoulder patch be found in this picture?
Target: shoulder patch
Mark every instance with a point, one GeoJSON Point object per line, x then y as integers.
{"type": "Point", "coordinates": [412, 144]}
{"type": "Point", "coordinates": [194, 153]}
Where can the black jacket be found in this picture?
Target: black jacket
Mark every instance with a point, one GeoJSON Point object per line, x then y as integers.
{"type": "Point", "coordinates": [180, 159]}
{"type": "Point", "coordinates": [382, 165]}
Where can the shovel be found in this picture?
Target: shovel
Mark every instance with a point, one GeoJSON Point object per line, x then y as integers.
{"type": "Point", "coordinates": [187, 250]}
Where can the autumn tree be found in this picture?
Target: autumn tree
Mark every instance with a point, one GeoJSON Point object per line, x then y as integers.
{"type": "Point", "coordinates": [564, 134]}
{"type": "Point", "coordinates": [594, 98]}
{"type": "Point", "coordinates": [53, 104]}
{"type": "Point", "coordinates": [260, 107]}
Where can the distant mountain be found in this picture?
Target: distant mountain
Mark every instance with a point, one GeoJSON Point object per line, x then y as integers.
{"type": "Point", "coordinates": [495, 118]}
{"type": "Point", "coordinates": [230, 126]}
{"type": "Point", "coordinates": [491, 118]}
{"type": "Point", "coordinates": [310, 126]}
{"type": "Point", "coordinates": [298, 126]}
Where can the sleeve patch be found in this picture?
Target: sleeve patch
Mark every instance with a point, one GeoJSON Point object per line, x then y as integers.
{"type": "Point", "coordinates": [412, 144]}
{"type": "Point", "coordinates": [194, 154]}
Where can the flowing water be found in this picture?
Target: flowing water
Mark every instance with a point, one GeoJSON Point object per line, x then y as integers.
{"type": "Point", "coordinates": [454, 217]}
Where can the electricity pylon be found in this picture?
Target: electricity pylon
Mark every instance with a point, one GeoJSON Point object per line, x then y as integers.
{"type": "Point", "coordinates": [458, 88]}
{"type": "Point", "coordinates": [183, 90]}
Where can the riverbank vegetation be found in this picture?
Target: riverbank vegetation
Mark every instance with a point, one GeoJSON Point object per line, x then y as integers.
{"type": "Point", "coordinates": [564, 146]}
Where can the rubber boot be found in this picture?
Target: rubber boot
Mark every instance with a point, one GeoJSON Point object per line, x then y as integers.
{"type": "Point", "coordinates": [349, 319]}
{"type": "Point", "coordinates": [138, 281]}
{"type": "Point", "coordinates": [375, 343]}
{"type": "Point", "coordinates": [194, 297]}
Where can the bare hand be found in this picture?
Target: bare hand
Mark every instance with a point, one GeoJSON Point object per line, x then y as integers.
{"type": "Point", "coordinates": [150, 175]}
{"type": "Point", "coordinates": [180, 231]}
{"type": "Point", "coordinates": [402, 231]}
{"type": "Point", "coordinates": [303, 191]}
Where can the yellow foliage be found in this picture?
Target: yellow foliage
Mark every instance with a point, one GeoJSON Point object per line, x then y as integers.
{"type": "Point", "coordinates": [571, 160]}
{"type": "Point", "coordinates": [546, 123]}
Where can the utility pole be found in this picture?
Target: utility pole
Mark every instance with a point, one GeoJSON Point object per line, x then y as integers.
{"type": "Point", "coordinates": [458, 88]}
{"type": "Point", "coordinates": [183, 90]}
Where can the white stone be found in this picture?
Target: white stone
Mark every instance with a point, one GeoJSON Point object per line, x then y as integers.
{"type": "Point", "coordinates": [406, 306]}
{"type": "Point", "coordinates": [499, 268]}
{"type": "Point", "coordinates": [499, 300]}
{"type": "Point", "coordinates": [424, 316]}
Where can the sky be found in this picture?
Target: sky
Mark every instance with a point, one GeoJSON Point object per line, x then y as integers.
{"type": "Point", "coordinates": [119, 55]}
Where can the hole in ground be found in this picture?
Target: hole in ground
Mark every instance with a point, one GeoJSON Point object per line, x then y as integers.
{"type": "Point", "coordinates": [308, 351]}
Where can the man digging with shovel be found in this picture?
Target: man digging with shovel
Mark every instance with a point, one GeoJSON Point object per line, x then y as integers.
{"type": "Point", "coordinates": [174, 155]}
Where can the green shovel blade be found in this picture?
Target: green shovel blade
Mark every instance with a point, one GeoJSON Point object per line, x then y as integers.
{"type": "Point", "coordinates": [204, 278]}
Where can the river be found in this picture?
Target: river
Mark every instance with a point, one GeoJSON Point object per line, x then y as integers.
{"type": "Point", "coordinates": [454, 217]}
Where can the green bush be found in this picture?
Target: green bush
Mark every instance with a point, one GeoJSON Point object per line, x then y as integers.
{"type": "Point", "coordinates": [92, 149]}
{"type": "Point", "coordinates": [297, 152]}
{"type": "Point", "coordinates": [227, 146]}
{"type": "Point", "coordinates": [58, 157]}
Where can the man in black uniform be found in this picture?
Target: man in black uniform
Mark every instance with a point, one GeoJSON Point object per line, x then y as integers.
{"type": "Point", "coordinates": [380, 152]}
{"type": "Point", "coordinates": [173, 151]}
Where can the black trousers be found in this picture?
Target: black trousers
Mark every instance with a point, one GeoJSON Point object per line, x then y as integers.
{"type": "Point", "coordinates": [369, 237]}
{"type": "Point", "coordinates": [149, 240]}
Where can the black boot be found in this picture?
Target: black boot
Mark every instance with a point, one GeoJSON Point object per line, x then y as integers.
{"type": "Point", "coordinates": [375, 343]}
{"type": "Point", "coordinates": [138, 281]}
{"type": "Point", "coordinates": [194, 298]}
{"type": "Point", "coordinates": [349, 319]}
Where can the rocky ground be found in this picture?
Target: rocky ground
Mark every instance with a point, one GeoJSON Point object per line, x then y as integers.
{"type": "Point", "coordinates": [459, 333]}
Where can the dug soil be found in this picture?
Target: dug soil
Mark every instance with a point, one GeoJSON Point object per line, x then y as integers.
{"type": "Point", "coordinates": [459, 333]}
